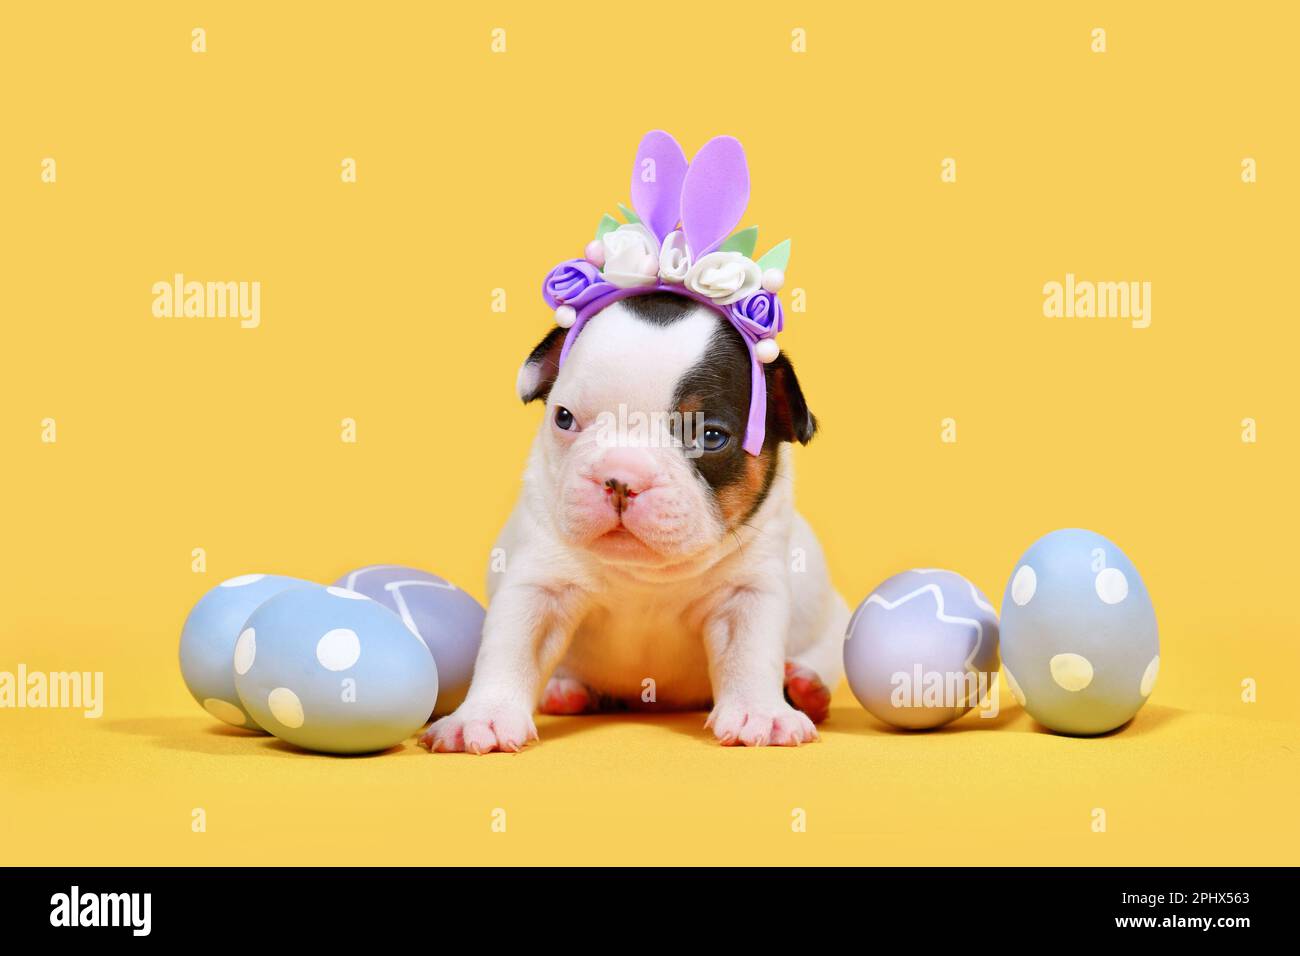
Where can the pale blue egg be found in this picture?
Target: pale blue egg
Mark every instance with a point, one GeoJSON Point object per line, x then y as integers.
{"type": "Point", "coordinates": [449, 620]}
{"type": "Point", "coordinates": [329, 669]}
{"type": "Point", "coordinates": [208, 641]}
{"type": "Point", "coordinates": [922, 649]}
{"type": "Point", "coordinates": [1079, 643]}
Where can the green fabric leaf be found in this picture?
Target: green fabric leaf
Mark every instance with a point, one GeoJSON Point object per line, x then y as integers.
{"type": "Point", "coordinates": [742, 242]}
{"type": "Point", "coordinates": [607, 224]}
{"type": "Point", "coordinates": [777, 257]}
{"type": "Point", "coordinates": [628, 214]}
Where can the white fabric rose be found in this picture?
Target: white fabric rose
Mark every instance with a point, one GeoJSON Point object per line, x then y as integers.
{"type": "Point", "coordinates": [725, 277]}
{"type": "Point", "coordinates": [631, 256]}
{"type": "Point", "coordinates": [674, 261]}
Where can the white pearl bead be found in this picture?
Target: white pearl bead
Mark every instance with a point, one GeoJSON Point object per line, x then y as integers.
{"type": "Point", "coordinates": [767, 350]}
{"type": "Point", "coordinates": [565, 316]}
{"type": "Point", "coordinates": [773, 279]}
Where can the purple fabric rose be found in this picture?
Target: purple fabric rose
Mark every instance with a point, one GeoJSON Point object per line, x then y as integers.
{"type": "Point", "coordinates": [759, 316]}
{"type": "Point", "coordinates": [574, 283]}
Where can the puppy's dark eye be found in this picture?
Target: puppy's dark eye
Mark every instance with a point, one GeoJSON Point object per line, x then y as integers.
{"type": "Point", "coordinates": [714, 438]}
{"type": "Point", "coordinates": [564, 419]}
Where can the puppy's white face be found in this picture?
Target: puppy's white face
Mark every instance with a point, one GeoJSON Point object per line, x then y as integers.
{"type": "Point", "coordinates": [641, 441]}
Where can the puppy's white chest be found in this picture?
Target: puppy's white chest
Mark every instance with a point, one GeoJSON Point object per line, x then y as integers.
{"type": "Point", "coordinates": [642, 649]}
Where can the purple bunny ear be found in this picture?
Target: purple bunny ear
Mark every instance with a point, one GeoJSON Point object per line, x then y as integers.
{"type": "Point", "coordinates": [657, 182]}
{"type": "Point", "coordinates": [715, 194]}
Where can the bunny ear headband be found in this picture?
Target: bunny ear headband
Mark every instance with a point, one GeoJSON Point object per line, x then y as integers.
{"type": "Point", "coordinates": [677, 241]}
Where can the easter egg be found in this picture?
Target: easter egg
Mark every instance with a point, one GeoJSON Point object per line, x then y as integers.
{"type": "Point", "coordinates": [922, 649]}
{"type": "Point", "coordinates": [208, 641]}
{"type": "Point", "coordinates": [1079, 642]}
{"type": "Point", "coordinates": [449, 620]}
{"type": "Point", "coordinates": [329, 669]}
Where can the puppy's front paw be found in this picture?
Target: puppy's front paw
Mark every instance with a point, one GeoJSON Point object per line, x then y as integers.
{"type": "Point", "coordinates": [779, 725]}
{"type": "Point", "coordinates": [481, 729]}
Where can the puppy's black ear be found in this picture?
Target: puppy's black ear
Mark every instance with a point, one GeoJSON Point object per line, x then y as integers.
{"type": "Point", "coordinates": [537, 374]}
{"type": "Point", "coordinates": [788, 418]}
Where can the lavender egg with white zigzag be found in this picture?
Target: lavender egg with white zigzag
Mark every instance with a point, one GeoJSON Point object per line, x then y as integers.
{"type": "Point", "coordinates": [922, 649]}
{"type": "Point", "coordinates": [447, 619]}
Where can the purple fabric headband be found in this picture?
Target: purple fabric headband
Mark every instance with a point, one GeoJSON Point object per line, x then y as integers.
{"type": "Point", "coordinates": [677, 241]}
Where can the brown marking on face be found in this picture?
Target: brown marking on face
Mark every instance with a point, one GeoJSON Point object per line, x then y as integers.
{"type": "Point", "coordinates": [738, 480]}
{"type": "Point", "coordinates": [740, 498]}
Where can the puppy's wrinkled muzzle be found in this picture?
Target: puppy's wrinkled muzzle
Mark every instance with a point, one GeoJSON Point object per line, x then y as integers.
{"type": "Point", "coordinates": [625, 473]}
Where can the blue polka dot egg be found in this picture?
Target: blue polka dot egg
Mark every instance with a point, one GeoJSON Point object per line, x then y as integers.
{"type": "Point", "coordinates": [208, 641]}
{"type": "Point", "coordinates": [329, 669]}
{"type": "Point", "coordinates": [1079, 644]}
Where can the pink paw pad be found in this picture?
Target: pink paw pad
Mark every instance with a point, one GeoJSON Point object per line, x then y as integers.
{"type": "Point", "coordinates": [805, 690]}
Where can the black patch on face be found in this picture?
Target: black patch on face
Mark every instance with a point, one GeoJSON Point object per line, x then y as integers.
{"type": "Point", "coordinates": [718, 386]}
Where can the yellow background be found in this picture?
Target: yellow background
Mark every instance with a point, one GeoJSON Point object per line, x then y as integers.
{"type": "Point", "coordinates": [480, 171]}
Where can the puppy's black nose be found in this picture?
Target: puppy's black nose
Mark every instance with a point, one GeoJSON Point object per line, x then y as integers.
{"type": "Point", "coordinates": [620, 496]}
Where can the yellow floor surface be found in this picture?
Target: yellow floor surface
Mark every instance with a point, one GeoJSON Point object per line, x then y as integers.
{"type": "Point", "coordinates": [1175, 786]}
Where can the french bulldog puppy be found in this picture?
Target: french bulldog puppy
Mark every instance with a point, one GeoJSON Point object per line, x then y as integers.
{"type": "Point", "coordinates": [658, 567]}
